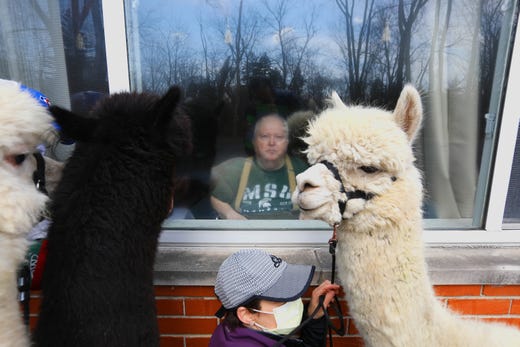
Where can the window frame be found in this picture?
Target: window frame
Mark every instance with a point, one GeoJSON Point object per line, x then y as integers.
{"type": "Point", "coordinates": [207, 232]}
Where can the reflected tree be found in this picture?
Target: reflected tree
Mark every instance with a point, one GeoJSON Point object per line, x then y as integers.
{"type": "Point", "coordinates": [376, 47]}
{"type": "Point", "coordinates": [292, 45]}
{"type": "Point", "coordinates": [409, 13]}
{"type": "Point", "coordinates": [354, 46]}
{"type": "Point", "coordinates": [240, 32]}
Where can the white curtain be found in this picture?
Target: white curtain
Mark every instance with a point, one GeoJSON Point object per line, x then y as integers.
{"type": "Point", "coordinates": [450, 135]}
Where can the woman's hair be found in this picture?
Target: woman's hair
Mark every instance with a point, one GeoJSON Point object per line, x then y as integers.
{"type": "Point", "coordinates": [231, 318]}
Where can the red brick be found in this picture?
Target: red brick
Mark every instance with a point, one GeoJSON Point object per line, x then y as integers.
{"type": "Point", "coordinates": [347, 341]}
{"type": "Point", "coordinates": [197, 341]}
{"type": "Point", "coordinates": [32, 322]}
{"type": "Point", "coordinates": [508, 321]}
{"type": "Point", "coordinates": [457, 290]}
{"type": "Point", "coordinates": [201, 307]}
{"type": "Point", "coordinates": [352, 330]}
{"type": "Point", "coordinates": [171, 307]}
{"type": "Point", "coordinates": [480, 306]}
{"type": "Point", "coordinates": [515, 307]}
{"type": "Point", "coordinates": [171, 341]}
{"type": "Point", "coordinates": [36, 293]}
{"type": "Point", "coordinates": [188, 291]}
{"type": "Point", "coordinates": [308, 292]}
{"type": "Point", "coordinates": [344, 307]}
{"type": "Point", "coordinates": [186, 325]}
{"type": "Point", "coordinates": [34, 305]}
{"type": "Point", "coordinates": [501, 290]}
{"type": "Point", "coordinates": [514, 321]}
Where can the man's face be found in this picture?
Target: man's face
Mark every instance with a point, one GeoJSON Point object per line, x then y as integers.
{"type": "Point", "coordinates": [270, 142]}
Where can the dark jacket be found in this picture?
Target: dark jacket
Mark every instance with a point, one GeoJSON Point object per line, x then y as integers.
{"type": "Point", "coordinates": [313, 335]}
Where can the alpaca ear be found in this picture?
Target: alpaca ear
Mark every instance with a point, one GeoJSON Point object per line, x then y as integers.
{"type": "Point", "coordinates": [335, 101]}
{"type": "Point", "coordinates": [72, 125]}
{"type": "Point", "coordinates": [408, 112]}
{"type": "Point", "coordinates": [165, 107]}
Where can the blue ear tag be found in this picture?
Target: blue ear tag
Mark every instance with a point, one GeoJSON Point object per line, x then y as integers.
{"type": "Point", "coordinates": [42, 99]}
{"type": "Point", "coordinates": [61, 149]}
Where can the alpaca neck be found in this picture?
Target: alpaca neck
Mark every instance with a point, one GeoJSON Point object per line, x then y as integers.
{"type": "Point", "coordinates": [384, 275]}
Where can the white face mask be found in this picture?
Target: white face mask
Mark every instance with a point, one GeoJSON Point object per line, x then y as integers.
{"type": "Point", "coordinates": [287, 317]}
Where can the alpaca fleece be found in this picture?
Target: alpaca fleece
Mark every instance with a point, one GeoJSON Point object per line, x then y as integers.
{"type": "Point", "coordinates": [380, 250]}
{"type": "Point", "coordinates": [107, 211]}
{"type": "Point", "coordinates": [23, 125]}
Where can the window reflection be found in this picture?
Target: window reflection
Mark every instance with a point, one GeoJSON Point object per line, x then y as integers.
{"type": "Point", "coordinates": [261, 185]}
{"type": "Point", "coordinates": [56, 47]}
{"type": "Point", "coordinates": [239, 60]}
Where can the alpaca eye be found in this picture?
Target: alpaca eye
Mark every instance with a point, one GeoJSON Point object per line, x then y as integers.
{"type": "Point", "coordinates": [369, 169]}
{"type": "Point", "coordinates": [19, 159]}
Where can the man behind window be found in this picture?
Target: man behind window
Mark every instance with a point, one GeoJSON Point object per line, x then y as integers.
{"type": "Point", "coordinates": [259, 187]}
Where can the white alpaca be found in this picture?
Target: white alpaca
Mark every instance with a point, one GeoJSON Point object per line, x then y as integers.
{"type": "Point", "coordinates": [23, 122]}
{"type": "Point", "coordinates": [380, 251]}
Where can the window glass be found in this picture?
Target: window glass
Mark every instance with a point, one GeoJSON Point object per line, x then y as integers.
{"type": "Point", "coordinates": [512, 210]}
{"type": "Point", "coordinates": [238, 60]}
{"type": "Point", "coordinates": [56, 47]}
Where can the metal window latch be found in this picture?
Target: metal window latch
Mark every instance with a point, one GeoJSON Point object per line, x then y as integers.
{"type": "Point", "coordinates": [490, 123]}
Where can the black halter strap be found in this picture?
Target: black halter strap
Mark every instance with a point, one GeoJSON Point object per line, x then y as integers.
{"type": "Point", "coordinates": [24, 274]}
{"type": "Point", "coordinates": [39, 173]}
{"type": "Point", "coordinates": [341, 204]}
{"type": "Point", "coordinates": [356, 194]}
{"type": "Point", "coordinates": [335, 172]}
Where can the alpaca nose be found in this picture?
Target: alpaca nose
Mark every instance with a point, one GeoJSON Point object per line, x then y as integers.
{"type": "Point", "coordinates": [308, 186]}
{"type": "Point", "coordinates": [311, 178]}
{"type": "Point", "coordinates": [303, 183]}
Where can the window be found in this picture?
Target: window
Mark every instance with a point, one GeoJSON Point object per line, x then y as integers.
{"type": "Point", "coordinates": [224, 53]}
{"type": "Point", "coordinates": [461, 54]}
{"type": "Point", "coordinates": [512, 210]}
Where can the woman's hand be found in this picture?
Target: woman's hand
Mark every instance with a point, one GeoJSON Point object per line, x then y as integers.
{"type": "Point", "coordinates": [326, 288]}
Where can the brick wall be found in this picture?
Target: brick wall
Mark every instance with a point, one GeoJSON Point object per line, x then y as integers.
{"type": "Point", "coordinates": [186, 313]}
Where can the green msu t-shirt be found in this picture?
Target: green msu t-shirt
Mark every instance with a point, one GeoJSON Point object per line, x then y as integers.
{"type": "Point", "coordinates": [266, 195]}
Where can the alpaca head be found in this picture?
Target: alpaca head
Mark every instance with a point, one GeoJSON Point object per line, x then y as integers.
{"type": "Point", "coordinates": [24, 124]}
{"type": "Point", "coordinates": [367, 151]}
{"type": "Point", "coordinates": [141, 132]}
{"type": "Point", "coordinates": [127, 119]}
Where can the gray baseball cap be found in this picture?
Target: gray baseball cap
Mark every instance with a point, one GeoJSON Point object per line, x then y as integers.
{"type": "Point", "coordinates": [255, 274]}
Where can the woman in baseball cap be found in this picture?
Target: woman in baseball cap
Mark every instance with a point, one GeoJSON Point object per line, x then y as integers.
{"type": "Point", "coordinates": [261, 302]}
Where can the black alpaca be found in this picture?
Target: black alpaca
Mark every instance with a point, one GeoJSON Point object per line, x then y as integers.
{"type": "Point", "coordinates": [107, 211]}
